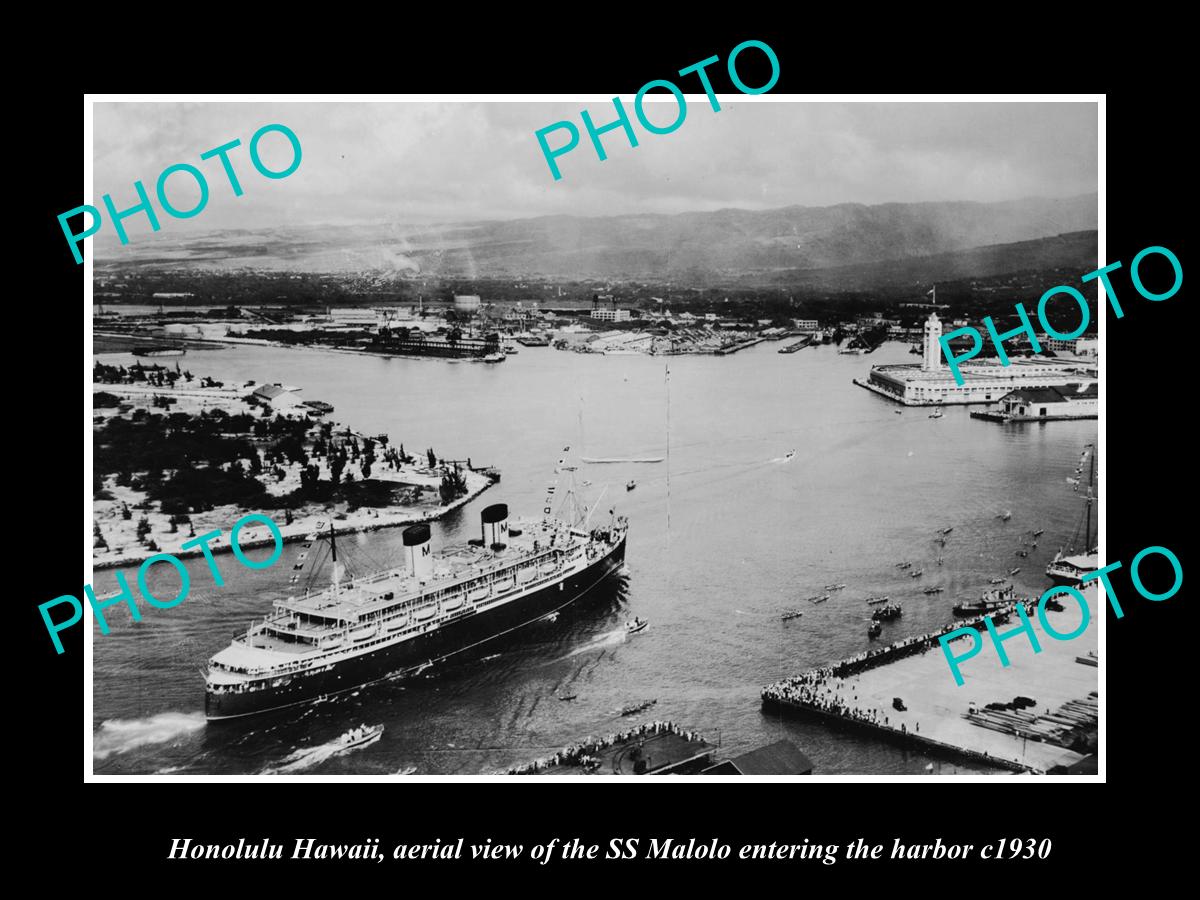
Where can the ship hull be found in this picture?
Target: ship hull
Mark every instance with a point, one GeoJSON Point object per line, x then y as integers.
{"type": "Point", "coordinates": [406, 657]}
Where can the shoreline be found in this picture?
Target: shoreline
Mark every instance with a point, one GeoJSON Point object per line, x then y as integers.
{"type": "Point", "coordinates": [299, 530]}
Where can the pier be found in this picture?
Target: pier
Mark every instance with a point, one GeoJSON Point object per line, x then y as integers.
{"type": "Point", "coordinates": [655, 748]}
{"type": "Point", "coordinates": [943, 717]}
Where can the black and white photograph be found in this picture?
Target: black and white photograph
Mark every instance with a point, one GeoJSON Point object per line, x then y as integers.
{"type": "Point", "coordinates": [472, 438]}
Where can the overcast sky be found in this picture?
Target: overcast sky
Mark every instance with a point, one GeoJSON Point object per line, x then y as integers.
{"type": "Point", "coordinates": [439, 162]}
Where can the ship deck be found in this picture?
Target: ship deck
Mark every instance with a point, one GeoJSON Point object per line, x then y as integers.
{"type": "Point", "coordinates": [453, 565]}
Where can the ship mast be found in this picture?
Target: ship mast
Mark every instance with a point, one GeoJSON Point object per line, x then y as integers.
{"type": "Point", "coordinates": [337, 569]}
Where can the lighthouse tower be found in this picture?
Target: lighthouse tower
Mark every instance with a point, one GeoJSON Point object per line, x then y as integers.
{"type": "Point", "coordinates": [933, 349]}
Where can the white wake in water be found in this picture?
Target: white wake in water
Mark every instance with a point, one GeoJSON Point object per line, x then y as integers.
{"type": "Point", "coordinates": [311, 756]}
{"type": "Point", "coordinates": [608, 639]}
{"type": "Point", "coordinates": [122, 735]}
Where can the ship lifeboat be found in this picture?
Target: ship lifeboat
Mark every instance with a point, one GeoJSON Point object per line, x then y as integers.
{"type": "Point", "coordinates": [454, 603]}
{"type": "Point", "coordinates": [395, 624]}
{"type": "Point", "coordinates": [365, 632]}
{"type": "Point", "coordinates": [526, 575]}
{"type": "Point", "coordinates": [333, 643]}
{"type": "Point", "coordinates": [480, 593]}
{"type": "Point", "coordinates": [506, 585]}
{"type": "Point", "coordinates": [425, 613]}
{"type": "Point", "coordinates": [548, 568]}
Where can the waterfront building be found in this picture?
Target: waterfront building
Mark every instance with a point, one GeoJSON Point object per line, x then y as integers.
{"type": "Point", "coordinates": [611, 315]}
{"type": "Point", "coordinates": [1068, 401]}
{"type": "Point", "coordinates": [466, 302]}
{"type": "Point", "coordinates": [806, 324]}
{"type": "Point", "coordinates": [986, 381]}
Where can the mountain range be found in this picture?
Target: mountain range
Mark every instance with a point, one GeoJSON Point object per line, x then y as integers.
{"type": "Point", "coordinates": [752, 246]}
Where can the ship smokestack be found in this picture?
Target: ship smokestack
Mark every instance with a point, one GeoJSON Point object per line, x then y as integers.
{"type": "Point", "coordinates": [418, 552]}
{"type": "Point", "coordinates": [495, 526]}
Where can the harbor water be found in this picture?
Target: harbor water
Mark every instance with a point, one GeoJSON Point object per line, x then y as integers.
{"type": "Point", "coordinates": [725, 535]}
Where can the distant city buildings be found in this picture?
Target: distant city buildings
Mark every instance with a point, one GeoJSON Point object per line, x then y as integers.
{"type": "Point", "coordinates": [983, 382]}
{"type": "Point", "coordinates": [806, 324]}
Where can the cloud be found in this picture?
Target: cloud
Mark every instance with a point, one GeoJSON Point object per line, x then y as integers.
{"type": "Point", "coordinates": [444, 162]}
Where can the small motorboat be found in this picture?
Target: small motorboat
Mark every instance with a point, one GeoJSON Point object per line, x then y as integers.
{"type": "Point", "coordinates": [789, 454]}
{"type": "Point", "coordinates": [932, 590]}
{"type": "Point", "coordinates": [903, 565]}
{"type": "Point", "coordinates": [568, 697]}
{"type": "Point", "coordinates": [630, 484]}
{"type": "Point", "coordinates": [947, 530]}
{"type": "Point", "coordinates": [1022, 553]}
{"type": "Point", "coordinates": [636, 625]}
{"type": "Point", "coordinates": [939, 560]}
{"type": "Point", "coordinates": [898, 412]}
{"type": "Point", "coordinates": [790, 614]}
{"type": "Point", "coordinates": [363, 734]}
{"type": "Point", "coordinates": [819, 598]}
{"type": "Point", "coordinates": [936, 414]}
{"type": "Point", "coordinates": [1039, 532]}
{"type": "Point", "coordinates": [1013, 572]}
{"type": "Point", "coordinates": [834, 587]}
{"type": "Point", "coordinates": [916, 573]}
{"type": "Point", "coordinates": [634, 708]}
{"type": "Point", "coordinates": [1004, 516]}
{"type": "Point", "coordinates": [874, 600]}
{"type": "Point", "coordinates": [874, 630]}
{"type": "Point", "coordinates": [997, 580]}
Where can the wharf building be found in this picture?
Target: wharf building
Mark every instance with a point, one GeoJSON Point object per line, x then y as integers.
{"type": "Point", "coordinates": [932, 384]}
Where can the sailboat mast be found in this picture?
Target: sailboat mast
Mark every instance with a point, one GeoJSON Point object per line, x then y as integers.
{"type": "Point", "coordinates": [1087, 544]}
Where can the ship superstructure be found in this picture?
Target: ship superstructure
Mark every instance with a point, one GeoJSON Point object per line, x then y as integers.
{"type": "Point", "coordinates": [403, 620]}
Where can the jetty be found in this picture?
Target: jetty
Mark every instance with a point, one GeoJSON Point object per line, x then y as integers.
{"type": "Point", "coordinates": [655, 748]}
{"type": "Point", "coordinates": [988, 719]}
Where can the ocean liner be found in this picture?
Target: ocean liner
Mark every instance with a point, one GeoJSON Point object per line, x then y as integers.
{"type": "Point", "coordinates": [401, 621]}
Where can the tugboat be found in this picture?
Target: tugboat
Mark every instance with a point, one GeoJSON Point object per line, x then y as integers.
{"type": "Point", "coordinates": [887, 613]}
{"type": "Point", "coordinates": [874, 630]}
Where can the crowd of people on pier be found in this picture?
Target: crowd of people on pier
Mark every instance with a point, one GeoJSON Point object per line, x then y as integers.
{"type": "Point", "coordinates": [584, 753]}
